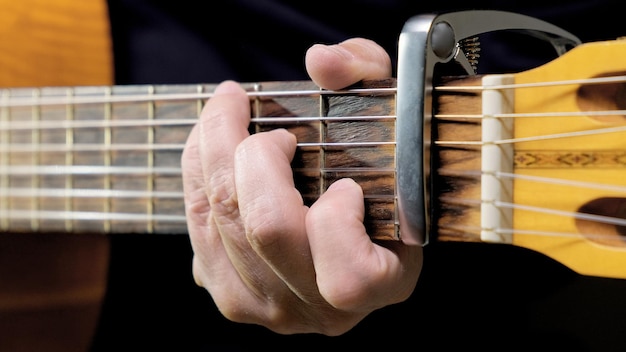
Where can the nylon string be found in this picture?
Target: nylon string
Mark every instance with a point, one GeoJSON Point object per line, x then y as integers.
{"type": "Point", "coordinates": [6, 126]}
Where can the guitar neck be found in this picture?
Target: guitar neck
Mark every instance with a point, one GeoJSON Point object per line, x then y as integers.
{"type": "Point", "coordinates": [106, 159]}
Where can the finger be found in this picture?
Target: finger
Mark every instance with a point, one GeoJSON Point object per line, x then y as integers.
{"type": "Point", "coordinates": [202, 232]}
{"type": "Point", "coordinates": [197, 209]}
{"type": "Point", "coordinates": [227, 118]}
{"type": "Point", "coordinates": [211, 268]}
{"type": "Point", "coordinates": [223, 259]}
{"type": "Point", "coordinates": [196, 203]}
{"type": "Point", "coordinates": [201, 149]}
{"type": "Point", "coordinates": [272, 209]}
{"type": "Point", "coordinates": [223, 125]}
{"type": "Point", "coordinates": [353, 272]}
{"type": "Point", "coordinates": [340, 65]}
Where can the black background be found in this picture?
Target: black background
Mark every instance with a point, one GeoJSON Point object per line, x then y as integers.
{"type": "Point", "coordinates": [470, 296]}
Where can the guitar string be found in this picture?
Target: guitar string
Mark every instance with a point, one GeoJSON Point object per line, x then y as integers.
{"type": "Point", "coordinates": [600, 219]}
{"type": "Point", "coordinates": [581, 81]}
{"type": "Point", "coordinates": [617, 221]}
{"type": "Point", "coordinates": [30, 101]}
{"type": "Point", "coordinates": [94, 193]}
{"type": "Point", "coordinates": [534, 178]}
{"type": "Point", "coordinates": [29, 125]}
{"type": "Point", "coordinates": [67, 100]}
{"type": "Point", "coordinates": [470, 230]}
{"type": "Point", "coordinates": [92, 147]}
{"type": "Point", "coordinates": [17, 125]}
{"type": "Point", "coordinates": [543, 210]}
{"type": "Point", "coordinates": [539, 179]}
{"type": "Point", "coordinates": [538, 137]}
{"type": "Point", "coordinates": [73, 124]}
{"type": "Point", "coordinates": [592, 81]}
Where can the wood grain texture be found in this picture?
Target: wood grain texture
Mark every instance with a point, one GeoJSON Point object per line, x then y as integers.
{"type": "Point", "coordinates": [454, 218]}
{"type": "Point", "coordinates": [61, 42]}
{"type": "Point", "coordinates": [135, 146]}
{"type": "Point", "coordinates": [52, 286]}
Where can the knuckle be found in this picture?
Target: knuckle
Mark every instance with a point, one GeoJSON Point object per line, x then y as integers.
{"type": "Point", "coordinates": [263, 228]}
{"type": "Point", "coordinates": [223, 198]}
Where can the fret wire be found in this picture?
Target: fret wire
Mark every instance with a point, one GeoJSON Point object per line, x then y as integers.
{"type": "Point", "coordinates": [108, 112]}
{"type": "Point", "coordinates": [69, 159]}
{"type": "Point", "coordinates": [35, 140]}
{"type": "Point", "coordinates": [323, 129]}
{"type": "Point", "coordinates": [396, 205]}
{"type": "Point", "coordinates": [150, 181]}
{"type": "Point", "coordinates": [76, 100]}
{"type": "Point", "coordinates": [108, 136]}
{"type": "Point", "coordinates": [4, 162]}
{"type": "Point", "coordinates": [199, 101]}
{"type": "Point", "coordinates": [257, 106]}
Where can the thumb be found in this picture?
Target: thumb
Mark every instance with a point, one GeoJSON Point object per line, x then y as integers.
{"type": "Point", "coordinates": [340, 65]}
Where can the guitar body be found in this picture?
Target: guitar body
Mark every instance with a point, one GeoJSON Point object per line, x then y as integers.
{"type": "Point", "coordinates": [52, 286]}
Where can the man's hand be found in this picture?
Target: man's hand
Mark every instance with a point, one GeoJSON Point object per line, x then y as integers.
{"type": "Point", "coordinates": [264, 256]}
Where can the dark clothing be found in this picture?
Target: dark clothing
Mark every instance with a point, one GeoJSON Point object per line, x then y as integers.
{"type": "Point", "coordinates": [470, 296]}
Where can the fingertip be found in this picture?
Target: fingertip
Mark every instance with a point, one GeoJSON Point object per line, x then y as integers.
{"type": "Point", "coordinates": [344, 196]}
{"type": "Point", "coordinates": [229, 102]}
{"type": "Point", "coordinates": [340, 65]}
{"type": "Point", "coordinates": [346, 184]}
{"type": "Point", "coordinates": [228, 87]}
{"type": "Point", "coordinates": [286, 136]}
{"type": "Point", "coordinates": [327, 66]}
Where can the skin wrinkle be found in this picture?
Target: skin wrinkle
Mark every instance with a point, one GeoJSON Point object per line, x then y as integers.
{"type": "Point", "coordinates": [265, 233]}
{"type": "Point", "coordinates": [351, 277]}
{"type": "Point", "coordinates": [274, 273]}
{"type": "Point", "coordinates": [224, 203]}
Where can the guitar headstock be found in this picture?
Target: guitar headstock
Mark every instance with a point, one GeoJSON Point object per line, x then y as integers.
{"type": "Point", "coordinates": [426, 42]}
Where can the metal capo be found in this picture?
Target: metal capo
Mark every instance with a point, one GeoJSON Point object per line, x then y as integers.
{"type": "Point", "coordinates": [427, 40]}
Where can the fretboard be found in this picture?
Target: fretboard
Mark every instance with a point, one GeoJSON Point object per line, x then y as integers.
{"type": "Point", "coordinates": [107, 159]}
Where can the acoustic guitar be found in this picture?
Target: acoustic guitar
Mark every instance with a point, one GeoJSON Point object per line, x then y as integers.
{"type": "Point", "coordinates": [51, 285]}
{"type": "Point", "coordinates": [85, 157]}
